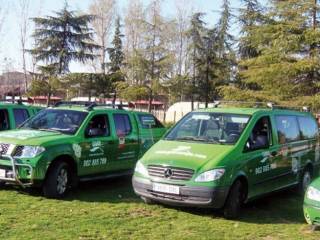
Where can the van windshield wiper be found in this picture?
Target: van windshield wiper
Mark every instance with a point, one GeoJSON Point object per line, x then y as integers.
{"type": "Point", "coordinates": [48, 130]}
{"type": "Point", "coordinates": [191, 138]}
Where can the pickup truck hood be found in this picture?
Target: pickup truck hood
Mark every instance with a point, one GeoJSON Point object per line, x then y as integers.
{"type": "Point", "coordinates": [30, 137]}
{"type": "Point", "coordinates": [185, 154]}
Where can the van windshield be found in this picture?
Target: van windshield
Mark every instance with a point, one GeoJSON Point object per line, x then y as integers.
{"type": "Point", "coordinates": [64, 121]}
{"type": "Point", "coordinates": [220, 128]}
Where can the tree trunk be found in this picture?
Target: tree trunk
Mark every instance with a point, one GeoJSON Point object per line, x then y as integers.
{"type": "Point", "coordinates": [207, 86]}
{"type": "Point", "coordinates": [48, 99]}
{"type": "Point", "coordinates": [150, 101]}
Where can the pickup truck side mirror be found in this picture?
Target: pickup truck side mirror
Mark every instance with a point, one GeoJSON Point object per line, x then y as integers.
{"type": "Point", "coordinates": [94, 132]}
{"type": "Point", "coordinates": [148, 122]}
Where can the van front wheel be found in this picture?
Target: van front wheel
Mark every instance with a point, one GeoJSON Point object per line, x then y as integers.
{"type": "Point", "coordinates": [234, 201]}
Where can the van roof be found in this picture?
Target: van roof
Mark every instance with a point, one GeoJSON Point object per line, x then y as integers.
{"type": "Point", "coordinates": [251, 111]}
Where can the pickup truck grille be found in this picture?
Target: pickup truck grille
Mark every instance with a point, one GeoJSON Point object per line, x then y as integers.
{"type": "Point", "coordinates": [168, 172]}
{"type": "Point", "coordinates": [4, 148]}
{"type": "Point", "coordinates": [18, 151]}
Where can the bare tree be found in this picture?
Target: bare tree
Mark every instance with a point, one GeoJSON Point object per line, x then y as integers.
{"type": "Point", "coordinates": [134, 29]}
{"type": "Point", "coordinates": [23, 15]}
{"type": "Point", "coordinates": [184, 11]}
{"type": "Point", "coordinates": [104, 11]}
{"type": "Point", "coordinates": [3, 11]}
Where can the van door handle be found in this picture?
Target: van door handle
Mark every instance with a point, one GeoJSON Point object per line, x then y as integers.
{"type": "Point", "coordinates": [274, 153]}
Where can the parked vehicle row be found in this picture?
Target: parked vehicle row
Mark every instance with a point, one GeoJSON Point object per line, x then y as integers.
{"type": "Point", "coordinates": [218, 157]}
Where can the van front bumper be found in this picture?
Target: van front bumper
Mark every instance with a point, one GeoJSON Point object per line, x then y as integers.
{"type": "Point", "coordinates": [311, 214]}
{"type": "Point", "coordinates": [212, 197]}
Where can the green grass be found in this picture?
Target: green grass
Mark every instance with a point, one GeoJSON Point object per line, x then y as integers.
{"type": "Point", "coordinates": [110, 210]}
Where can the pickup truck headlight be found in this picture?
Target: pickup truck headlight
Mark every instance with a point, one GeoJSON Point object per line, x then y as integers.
{"type": "Point", "coordinates": [29, 151]}
{"type": "Point", "coordinates": [140, 168]}
{"type": "Point", "coordinates": [209, 176]}
{"type": "Point", "coordinates": [313, 194]}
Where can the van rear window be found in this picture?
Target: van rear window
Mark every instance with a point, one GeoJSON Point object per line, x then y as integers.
{"type": "Point", "coordinates": [308, 127]}
{"type": "Point", "coordinates": [287, 128]}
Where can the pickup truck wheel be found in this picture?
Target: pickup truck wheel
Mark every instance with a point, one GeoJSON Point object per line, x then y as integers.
{"type": "Point", "coordinates": [57, 181]}
{"type": "Point", "coordinates": [2, 184]}
{"type": "Point", "coordinates": [234, 201]}
{"type": "Point", "coordinates": [305, 181]}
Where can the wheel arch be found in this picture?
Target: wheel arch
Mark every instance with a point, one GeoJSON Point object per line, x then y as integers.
{"type": "Point", "coordinates": [67, 159]}
{"type": "Point", "coordinates": [244, 181]}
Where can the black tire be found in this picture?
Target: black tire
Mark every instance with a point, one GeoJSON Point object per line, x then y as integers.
{"type": "Point", "coordinates": [234, 201]}
{"type": "Point", "coordinates": [2, 184]}
{"type": "Point", "coordinates": [147, 200]}
{"type": "Point", "coordinates": [58, 180]}
{"type": "Point", "coordinates": [305, 180]}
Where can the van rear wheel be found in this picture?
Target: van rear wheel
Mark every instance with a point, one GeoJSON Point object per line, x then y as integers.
{"type": "Point", "coordinates": [58, 180]}
{"type": "Point", "coordinates": [234, 201]}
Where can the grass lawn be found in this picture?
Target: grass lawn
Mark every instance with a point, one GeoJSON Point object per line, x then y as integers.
{"type": "Point", "coordinates": [110, 210]}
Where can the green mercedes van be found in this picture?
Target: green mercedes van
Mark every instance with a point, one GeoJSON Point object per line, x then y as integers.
{"type": "Point", "coordinates": [224, 157]}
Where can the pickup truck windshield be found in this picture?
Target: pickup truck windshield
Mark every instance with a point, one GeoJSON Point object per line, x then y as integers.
{"type": "Point", "coordinates": [219, 128]}
{"type": "Point", "coordinates": [64, 121]}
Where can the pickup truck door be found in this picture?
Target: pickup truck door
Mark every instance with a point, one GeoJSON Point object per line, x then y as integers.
{"type": "Point", "coordinates": [127, 141]}
{"type": "Point", "coordinates": [97, 150]}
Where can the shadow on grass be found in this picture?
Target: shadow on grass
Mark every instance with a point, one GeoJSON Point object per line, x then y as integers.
{"type": "Point", "coordinates": [282, 207]}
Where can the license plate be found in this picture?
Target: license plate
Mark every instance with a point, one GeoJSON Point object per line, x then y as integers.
{"type": "Point", "coordinates": [165, 188]}
{"type": "Point", "coordinates": [2, 173]}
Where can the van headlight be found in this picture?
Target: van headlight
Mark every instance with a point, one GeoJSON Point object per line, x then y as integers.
{"type": "Point", "coordinates": [28, 151]}
{"type": "Point", "coordinates": [140, 168]}
{"type": "Point", "coordinates": [209, 176]}
{"type": "Point", "coordinates": [313, 194]}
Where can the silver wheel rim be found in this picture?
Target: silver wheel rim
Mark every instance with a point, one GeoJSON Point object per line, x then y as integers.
{"type": "Point", "coordinates": [306, 181]}
{"type": "Point", "coordinates": [62, 181]}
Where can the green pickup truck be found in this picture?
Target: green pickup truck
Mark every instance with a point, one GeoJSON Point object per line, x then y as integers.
{"type": "Point", "coordinates": [14, 114]}
{"type": "Point", "coordinates": [70, 142]}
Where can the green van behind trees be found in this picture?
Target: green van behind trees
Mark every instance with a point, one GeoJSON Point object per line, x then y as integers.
{"type": "Point", "coordinates": [224, 157]}
{"type": "Point", "coordinates": [73, 141]}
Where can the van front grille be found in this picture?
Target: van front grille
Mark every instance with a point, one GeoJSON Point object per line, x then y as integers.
{"type": "Point", "coordinates": [168, 172]}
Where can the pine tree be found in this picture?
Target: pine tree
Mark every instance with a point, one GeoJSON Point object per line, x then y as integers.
{"type": "Point", "coordinates": [196, 46]}
{"type": "Point", "coordinates": [286, 70]}
{"type": "Point", "coordinates": [63, 38]}
{"type": "Point", "coordinates": [250, 16]}
{"type": "Point", "coordinates": [115, 52]}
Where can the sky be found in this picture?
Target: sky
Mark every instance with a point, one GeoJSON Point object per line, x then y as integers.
{"type": "Point", "coordinates": [9, 33]}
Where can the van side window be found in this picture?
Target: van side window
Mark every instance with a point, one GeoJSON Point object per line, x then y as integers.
{"type": "Point", "coordinates": [308, 128]}
{"type": "Point", "coordinates": [261, 135]}
{"type": "Point", "coordinates": [143, 117]}
{"type": "Point", "coordinates": [98, 127]}
{"type": "Point", "coordinates": [4, 120]}
{"type": "Point", "coordinates": [287, 128]}
{"type": "Point", "coordinates": [20, 115]}
{"type": "Point", "coordinates": [122, 124]}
